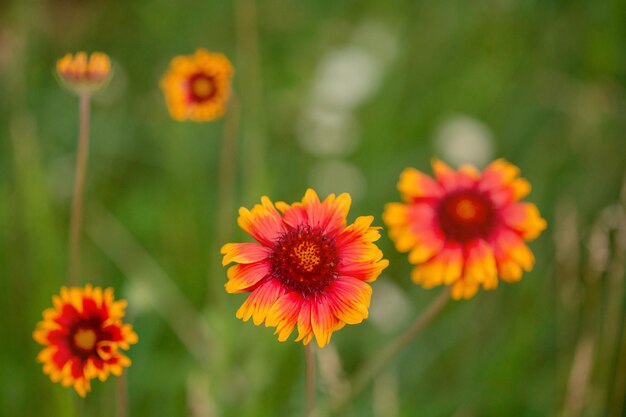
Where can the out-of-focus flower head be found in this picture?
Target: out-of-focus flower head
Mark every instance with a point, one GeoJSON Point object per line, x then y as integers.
{"type": "Point", "coordinates": [197, 87]}
{"type": "Point", "coordinates": [465, 228]}
{"type": "Point", "coordinates": [83, 335]}
{"type": "Point", "coordinates": [84, 74]}
{"type": "Point", "coordinates": [308, 269]}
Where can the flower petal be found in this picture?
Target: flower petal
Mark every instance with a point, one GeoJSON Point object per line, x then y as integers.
{"type": "Point", "coordinates": [323, 321]}
{"type": "Point", "coordinates": [414, 185]}
{"type": "Point", "coordinates": [524, 218]}
{"type": "Point", "coordinates": [450, 179]}
{"type": "Point", "coordinates": [242, 277]}
{"type": "Point", "coordinates": [364, 271]}
{"type": "Point", "coordinates": [263, 222]}
{"type": "Point", "coordinates": [284, 314]}
{"type": "Point", "coordinates": [349, 299]}
{"type": "Point", "coordinates": [259, 302]}
{"type": "Point", "coordinates": [512, 255]}
{"type": "Point", "coordinates": [244, 253]}
{"type": "Point", "coordinates": [445, 268]}
{"type": "Point", "coordinates": [480, 264]}
{"type": "Point", "coordinates": [329, 215]}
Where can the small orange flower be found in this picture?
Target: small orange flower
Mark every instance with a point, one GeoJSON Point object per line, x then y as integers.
{"type": "Point", "coordinates": [464, 228]}
{"type": "Point", "coordinates": [83, 334]}
{"type": "Point", "coordinates": [197, 87]}
{"type": "Point", "coordinates": [308, 268]}
{"type": "Point", "coordinates": [82, 74]}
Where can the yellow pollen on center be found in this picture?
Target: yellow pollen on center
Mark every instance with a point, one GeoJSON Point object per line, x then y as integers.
{"type": "Point", "coordinates": [307, 255]}
{"type": "Point", "coordinates": [202, 87]}
{"type": "Point", "coordinates": [85, 339]}
{"type": "Point", "coordinates": [466, 209]}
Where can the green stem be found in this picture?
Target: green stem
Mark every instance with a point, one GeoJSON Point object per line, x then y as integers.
{"type": "Point", "coordinates": [76, 217]}
{"type": "Point", "coordinates": [378, 361]}
{"type": "Point", "coordinates": [121, 394]}
{"type": "Point", "coordinates": [309, 355]}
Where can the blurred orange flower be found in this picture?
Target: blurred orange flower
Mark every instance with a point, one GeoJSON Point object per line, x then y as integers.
{"type": "Point", "coordinates": [83, 334]}
{"type": "Point", "coordinates": [308, 269]}
{"type": "Point", "coordinates": [197, 87]}
{"type": "Point", "coordinates": [83, 74]}
{"type": "Point", "coordinates": [464, 228]}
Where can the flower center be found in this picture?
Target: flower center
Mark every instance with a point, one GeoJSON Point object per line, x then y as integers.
{"type": "Point", "coordinates": [201, 87]}
{"type": "Point", "coordinates": [85, 339]}
{"type": "Point", "coordinates": [307, 255]}
{"type": "Point", "coordinates": [466, 215]}
{"type": "Point", "coordinates": [305, 260]}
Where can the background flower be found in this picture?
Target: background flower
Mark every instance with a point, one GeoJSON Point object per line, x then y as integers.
{"type": "Point", "coordinates": [83, 335]}
{"type": "Point", "coordinates": [197, 87]}
{"type": "Point", "coordinates": [84, 74]}
{"type": "Point", "coordinates": [464, 228]}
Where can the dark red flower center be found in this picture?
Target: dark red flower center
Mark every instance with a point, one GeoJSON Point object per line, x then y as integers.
{"type": "Point", "coordinates": [201, 87]}
{"type": "Point", "coordinates": [465, 215]}
{"type": "Point", "coordinates": [85, 337]}
{"type": "Point", "coordinates": [305, 260]}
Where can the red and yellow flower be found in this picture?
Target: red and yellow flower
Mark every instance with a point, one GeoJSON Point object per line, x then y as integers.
{"type": "Point", "coordinates": [83, 74]}
{"type": "Point", "coordinates": [307, 269]}
{"type": "Point", "coordinates": [82, 337]}
{"type": "Point", "coordinates": [197, 87]}
{"type": "Point", "coordinates": [464, 228]}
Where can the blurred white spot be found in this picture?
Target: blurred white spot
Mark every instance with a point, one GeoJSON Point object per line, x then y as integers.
{"type": "Point", "coordinates": [325, 133]}
{"type": "Point", "coordinates": [140, 296]}
{"type": "Point", "coordinates": [338, 177]}
{"type": "Point", "coordinates": [464, 139]}
{"type": "Point", "coordinates": [390, 307]}
{"type": "Point", "coordinates": [346, 77]}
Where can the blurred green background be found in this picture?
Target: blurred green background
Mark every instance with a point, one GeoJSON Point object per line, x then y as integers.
{"type": "Point", "coordinates": [340, 96]}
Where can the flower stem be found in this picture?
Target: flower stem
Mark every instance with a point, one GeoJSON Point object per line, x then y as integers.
{"type": "Point", "coordinates": [310, 379]}
{"type": "Point", "coordinates": [121, 393]}
{"type": "Point", "coordinates": [379, 360]}
{"type": "Point", "coordinates": [76, 219]}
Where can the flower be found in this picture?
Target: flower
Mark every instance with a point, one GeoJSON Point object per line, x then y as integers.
{"type": "Point", "coordinates": [82, 336]}
{"type": "Point", "coordinates": [464, 228]}
{"type": "Point", "coordinates": [82, 74]}
{"type": "Point", "coordinates": [197, 87]}
{"type": "Point", "coordinates": [308, 268]}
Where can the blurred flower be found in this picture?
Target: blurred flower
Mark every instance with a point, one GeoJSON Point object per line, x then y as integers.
{"type": "Point", "coordinates": [197, 87]}
{"type": "Point", "coordinates": [82, 335]}
{"type": "Point", "coordinates": [82, 74]}
{"type": "Point", "coordinates": [464, 140]}
{"type": "Point", "coordinates": [464, 228]}
{"type": "Point", "coordinates": [308, 268]}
